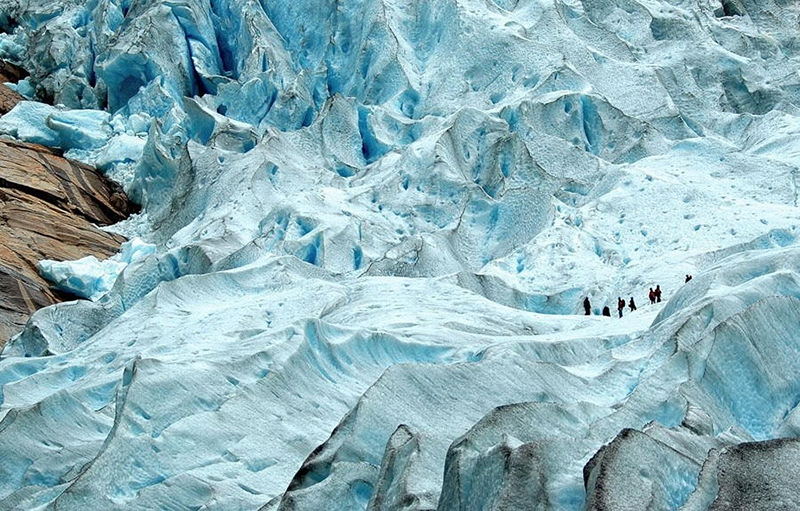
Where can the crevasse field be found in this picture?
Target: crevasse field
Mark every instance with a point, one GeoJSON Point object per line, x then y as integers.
{"type": "Point", "coordinates": [368, 227]}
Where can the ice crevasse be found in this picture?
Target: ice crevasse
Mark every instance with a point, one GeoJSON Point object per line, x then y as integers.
{"type": "Point", "coordinates": [367, 231]}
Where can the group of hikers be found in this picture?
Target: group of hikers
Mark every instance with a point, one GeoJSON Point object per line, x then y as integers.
{"type": "Point", "coordinates": [654, 295]}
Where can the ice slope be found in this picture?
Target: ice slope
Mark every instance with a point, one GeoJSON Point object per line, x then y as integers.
{"type": "Point", "coordinates": [367, 228]}
{"type": "Point", "coordinates": [267, 370]}
{"type": "Point", "coordinates": [713, 386]}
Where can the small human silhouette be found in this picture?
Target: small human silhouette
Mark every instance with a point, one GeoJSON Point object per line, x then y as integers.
{"type": "Point", "coordinates": [620, 305]}
{"type": "Point", "coordinates": [657, 292]}
{"type": "Point", "coordinates": [632, 304]}
{"type": "Point", "coordinates": [606, 311]}
{"type": "Point", "coordinates": [652, 296]}
{"type": "Point", "coordinates": [688, 277]}
{"type": "Point", "coordinates": [587, 306]}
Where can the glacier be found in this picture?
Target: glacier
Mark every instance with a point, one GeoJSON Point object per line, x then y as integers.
{"type": "Point", "coordinates": [89, 277]}
{"type": "Point", "coordinates": [367, 230]}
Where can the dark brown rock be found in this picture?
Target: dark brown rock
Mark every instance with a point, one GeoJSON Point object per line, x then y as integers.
{"type": "Point", "coordinates": [8, 99]}
{"type": "Point", "coordinates": [49, 209]}
{"type": "Point", "coordinates": [9, 73]}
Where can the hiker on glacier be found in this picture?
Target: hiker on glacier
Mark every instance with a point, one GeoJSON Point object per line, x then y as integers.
{"type": "Point", "coordinates": [652, 296]}
{"type": "Point", "coordinates": [620, 305]}
{"type": "Point", "coordinates": [606, 311]}
{"type": "Point", "coordinates": [587, 306]}
{"type": "Point", "coordinates": [657, 292]}
{"type": "Point", "coordinates": [688, 278]}
{"type": "Point", "coordinates": [632, 304]}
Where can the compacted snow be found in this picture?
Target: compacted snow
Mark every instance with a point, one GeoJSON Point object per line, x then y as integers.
{"type": "Point", "coordinates": [368, 228]}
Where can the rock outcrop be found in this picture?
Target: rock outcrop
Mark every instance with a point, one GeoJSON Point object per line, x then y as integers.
{"type": "Point", "coordinates": [9, 73]}
{"type": "Point", "coordinates": [50, 208]}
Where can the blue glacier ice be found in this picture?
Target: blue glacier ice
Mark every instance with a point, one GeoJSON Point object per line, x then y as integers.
{"type": "Point", "coordinates": [367, 230]}
{"type": "Point", "coordinates": [28, 122]}
{"type": "Point", "coordinates": [23, 87]}
{"type": "Point", "coordinates": [90, 278]}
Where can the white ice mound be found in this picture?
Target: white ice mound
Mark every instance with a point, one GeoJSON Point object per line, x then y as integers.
{"type": "Point", "coordinates": [43, 124]}
{"type": "Point", "coordinates": [28, 122]}
{"type": "Point", "coordinates": [89, 277]}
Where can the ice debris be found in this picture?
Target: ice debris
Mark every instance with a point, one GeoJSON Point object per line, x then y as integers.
{"type": "Point", "coordinates": [89, 277]}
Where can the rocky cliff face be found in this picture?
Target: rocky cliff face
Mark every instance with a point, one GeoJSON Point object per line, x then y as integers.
{"type": "Point", "coordinates": [9, 98]}
{"type": "Point", "coordinates": [50, 208]}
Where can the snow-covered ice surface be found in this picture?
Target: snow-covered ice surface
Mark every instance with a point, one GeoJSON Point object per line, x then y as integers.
{"type": "Point", "coordinates": [367, 231]}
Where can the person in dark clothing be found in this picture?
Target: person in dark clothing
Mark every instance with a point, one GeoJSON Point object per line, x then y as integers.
{"type": "Point", "coordinates": [632, 304]}
{"type": "Point", "coordinates": [606, 311]}
{"type": "Point", "coordinates": [652, 296]}
{"type": "Point", "coordinates": [688, 278]}
{"type": "Point", "coordinates": [620, 305]}
{"type": "Point", "coordinates": [657, 292]}
{"type": "Point", "coordinates": [587, 306]}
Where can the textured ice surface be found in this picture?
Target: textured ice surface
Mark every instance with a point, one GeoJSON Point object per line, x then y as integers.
{"type": "Point", "coordinates": [28, 122]}
{"type": "Point", "coordinates": [368, 228]}
{"type": "Point", "coordinates": [42, 124]}
{"type": "Point", "coordinates": [89, 277]}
